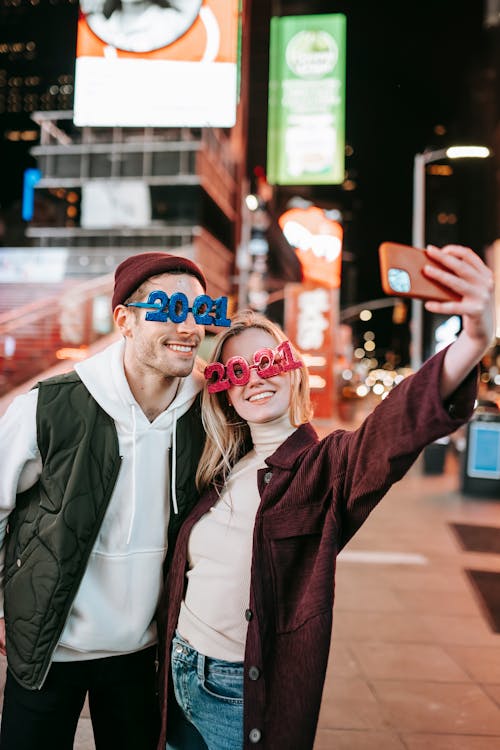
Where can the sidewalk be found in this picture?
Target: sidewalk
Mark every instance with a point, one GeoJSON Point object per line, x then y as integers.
{"type": "Point", "coordinates": [414, 664]}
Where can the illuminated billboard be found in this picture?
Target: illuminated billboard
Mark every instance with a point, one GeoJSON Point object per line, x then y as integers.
{"type": "Point", "coordinates": [156, 63]}
{"type": "Point", "coordinates": [318, 244]}
{"type": "Point", "coordinates": [311, 321]}
{"type": "Point", "coordinates": [306, 120]}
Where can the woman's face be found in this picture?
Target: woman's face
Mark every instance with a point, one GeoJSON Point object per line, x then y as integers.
{"type": "Point", "coordinates": [261, 399]}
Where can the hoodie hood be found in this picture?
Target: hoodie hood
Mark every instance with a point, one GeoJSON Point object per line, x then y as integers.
{"type": "Point", "coordinates": [104, 377]}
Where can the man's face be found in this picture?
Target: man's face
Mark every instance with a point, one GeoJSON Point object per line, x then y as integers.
{"type": "Point", "coordinates": [168, 349]}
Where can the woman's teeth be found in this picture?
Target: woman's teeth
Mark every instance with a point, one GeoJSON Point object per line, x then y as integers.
{"type": "Point", "coordinates": [259, 396]}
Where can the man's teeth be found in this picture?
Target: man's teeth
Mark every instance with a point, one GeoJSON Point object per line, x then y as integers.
{"type": "Point", "coordinates": [179, 348]}
{"type": "Point", "coordinates": [259, 396]}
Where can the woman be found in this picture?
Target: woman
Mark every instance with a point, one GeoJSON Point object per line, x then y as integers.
{"type": "Point", "coordinates": [247, 638]}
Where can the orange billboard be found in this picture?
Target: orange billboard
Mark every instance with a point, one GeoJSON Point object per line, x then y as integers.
{"type": "Point", "coordinates": [161, 64]}
{"type": "Point", "coordinates": [318, 243]}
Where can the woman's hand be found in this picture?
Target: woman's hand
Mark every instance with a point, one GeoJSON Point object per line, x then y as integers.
{"type": "Point", "coordinates": [463, 271]}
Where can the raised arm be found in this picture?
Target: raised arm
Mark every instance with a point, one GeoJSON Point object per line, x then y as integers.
{"type": "Point", "coordinates": [465, 273]}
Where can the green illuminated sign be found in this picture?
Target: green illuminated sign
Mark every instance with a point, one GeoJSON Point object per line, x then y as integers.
{"type": "Point", "coordinates": [306, 119]}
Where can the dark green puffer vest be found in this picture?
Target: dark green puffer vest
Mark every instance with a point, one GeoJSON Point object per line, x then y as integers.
{"type": "Point", "coordinates": [52, 530]}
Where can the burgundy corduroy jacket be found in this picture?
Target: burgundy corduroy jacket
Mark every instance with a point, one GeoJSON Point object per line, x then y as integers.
{"type": "Point", "coordinates": [315, 494]}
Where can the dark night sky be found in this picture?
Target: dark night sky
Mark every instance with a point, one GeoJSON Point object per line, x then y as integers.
{"type": "Point", "coordinates": [406, 76]}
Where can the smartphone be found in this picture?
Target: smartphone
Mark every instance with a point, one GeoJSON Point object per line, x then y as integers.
{"type": "Point", "coordinates": [401, 273]}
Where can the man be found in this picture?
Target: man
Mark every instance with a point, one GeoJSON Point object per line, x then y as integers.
{"type": "Point", "coordinates": [97, 473]}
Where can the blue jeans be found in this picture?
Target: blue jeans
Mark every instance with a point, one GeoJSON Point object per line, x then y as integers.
{"type": "Point", "coordinates": [209, 694]}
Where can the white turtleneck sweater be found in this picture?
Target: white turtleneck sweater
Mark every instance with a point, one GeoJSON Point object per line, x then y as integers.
{"type": "Point", "coordinates": [212, 615]}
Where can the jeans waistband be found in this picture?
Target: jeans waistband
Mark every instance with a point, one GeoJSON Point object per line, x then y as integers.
{"type": "Point", "coordinates": [181, 649]}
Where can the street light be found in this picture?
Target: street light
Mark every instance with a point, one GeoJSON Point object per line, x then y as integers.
{"type": "Point", "coordinates": [418, 229]}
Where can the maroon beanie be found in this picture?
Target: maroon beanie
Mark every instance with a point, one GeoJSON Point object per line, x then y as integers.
{"type": "Point", "coordinates": [132, 271]}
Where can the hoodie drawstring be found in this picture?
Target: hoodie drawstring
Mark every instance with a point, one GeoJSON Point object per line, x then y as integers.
{"type": "Point", "coordinates": [134, 430]}
{"type": "Point", "coordinates": [174, 463]}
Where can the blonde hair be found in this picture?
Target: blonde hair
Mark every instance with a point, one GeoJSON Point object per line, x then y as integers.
{"type": "Point", "coordinates": [228, 436]}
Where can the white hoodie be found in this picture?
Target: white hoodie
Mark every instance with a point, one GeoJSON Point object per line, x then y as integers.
{"type": "Point", "coordinates": [115, 604]}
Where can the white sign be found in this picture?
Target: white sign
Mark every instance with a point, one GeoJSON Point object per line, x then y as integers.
{"type": "Point", "coordinates": [19, 264]}
{"type": "Point", "coordinates": [311, 321]}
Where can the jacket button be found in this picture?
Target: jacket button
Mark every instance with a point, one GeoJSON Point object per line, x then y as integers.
{"type": "Point", "coordinates": [18, 562]}
{"type": "Point", "coordinates": [255, 735]}
{"type": "Point", "coordinates": [268, 476]}
{"type": "Point", "coordinates": [254, 673]}
{"type": "Point", "coordinates": [248, 615]}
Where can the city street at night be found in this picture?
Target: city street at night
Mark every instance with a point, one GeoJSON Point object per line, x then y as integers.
{"type": "Point", "coordinates": [249, 375]}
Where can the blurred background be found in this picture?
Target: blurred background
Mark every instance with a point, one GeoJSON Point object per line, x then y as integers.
{"type": "Point", "coordinates": [275, 143]}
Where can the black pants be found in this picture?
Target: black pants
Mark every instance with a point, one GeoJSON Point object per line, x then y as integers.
{"type": "Point", "coordinates": [122, 699]}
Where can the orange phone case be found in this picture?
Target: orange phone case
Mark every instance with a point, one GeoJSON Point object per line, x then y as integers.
{"type": "Point", "coordinates": [401, 272]}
